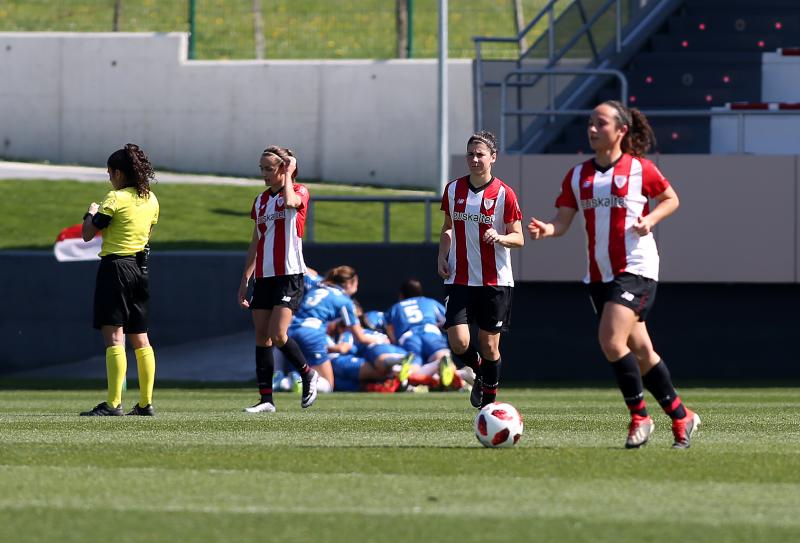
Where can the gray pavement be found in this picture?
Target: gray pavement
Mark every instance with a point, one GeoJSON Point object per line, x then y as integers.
{"type": "Point", "coordinates": [26, 170]}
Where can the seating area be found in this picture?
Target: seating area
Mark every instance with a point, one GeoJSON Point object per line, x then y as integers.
{"type": "Point", "coordinates": [710, 53]}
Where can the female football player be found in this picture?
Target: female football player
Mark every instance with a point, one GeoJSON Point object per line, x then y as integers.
{"type": "Point", "coordinates": [612, 191]}
{"type": "Point", "coordinates": [275, 258]}
{"type": "Point", "coordinates": [481, 223]}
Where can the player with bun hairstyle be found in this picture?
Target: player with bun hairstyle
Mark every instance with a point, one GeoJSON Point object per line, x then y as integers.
{"type": "Point", "coordinates": [612, 191]}
{"type": "Point", "coordinates": [329, 302]}
{"type": "Point", "coordinates": [126, 215]}
{"type": "Point", "coordinates": [275, 258]}
{"type": "Point", "coordinates": [482, 222]}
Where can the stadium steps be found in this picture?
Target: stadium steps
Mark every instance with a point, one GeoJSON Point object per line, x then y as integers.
{"type": "Point", "coordinates": [707, 54]}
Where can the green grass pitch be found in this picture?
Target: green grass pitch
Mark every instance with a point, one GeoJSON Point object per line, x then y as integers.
{"type": "Point", "coordinates": [405, 467]}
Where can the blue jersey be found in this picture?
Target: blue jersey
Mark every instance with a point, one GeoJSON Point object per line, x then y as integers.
{"type": "Point", "coordinates": [414, 313]}
{"type": "Point", "coordinates": [311, 281]}
{"type": "Point", "coordinates": [324, 304]}
{"type": "Point", "coordinates": [344, 337]}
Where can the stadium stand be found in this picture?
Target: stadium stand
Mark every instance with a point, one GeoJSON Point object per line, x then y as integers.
{"type": "Point", "coordinates": [704, 54]}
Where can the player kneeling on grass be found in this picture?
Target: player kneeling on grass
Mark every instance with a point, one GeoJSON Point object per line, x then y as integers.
{"type": "Point", "coordinates": [329, 302]}
{"type": "Point", "coordinates": [413, 323]}
{"type": "Point", "coordinates": [613, 191]}
{"type": "Point", "coordinates": [127, 215]}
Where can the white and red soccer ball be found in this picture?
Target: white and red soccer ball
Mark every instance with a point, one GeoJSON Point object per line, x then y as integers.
{"type": "Point", "coordinates": [498, 425]}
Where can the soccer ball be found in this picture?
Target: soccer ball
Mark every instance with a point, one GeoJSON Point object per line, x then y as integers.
{"type": "Point", "coordinates": [498, 425]}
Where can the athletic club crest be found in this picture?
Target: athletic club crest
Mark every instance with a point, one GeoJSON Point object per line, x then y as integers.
{"type": "Point", "coordinates": [620, 180]}
{"type": "Point", "coordinates": [487, 204]}
{"type": "Point", "coordinates": [279, 201]}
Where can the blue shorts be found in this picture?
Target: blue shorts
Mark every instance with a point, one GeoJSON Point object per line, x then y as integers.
{"type": "Point", "coordinates": [313, 343]}
{"type": "Point", "coordinates": [346, 369]}
{"type": "Point", "coordinates": [424, 344]}
{"type": "Point", "coordinates": [375, 351]}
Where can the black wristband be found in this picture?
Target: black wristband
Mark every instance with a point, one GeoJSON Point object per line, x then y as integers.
{"type": "Point", "coordinates": [87, 214]}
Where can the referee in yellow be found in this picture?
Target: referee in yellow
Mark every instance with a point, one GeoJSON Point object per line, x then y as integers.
{"type": "Point", "coordinates": [126, 216]}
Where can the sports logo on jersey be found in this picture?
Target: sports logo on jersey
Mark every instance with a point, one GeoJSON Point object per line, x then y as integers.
{"type": "Point", "coordinates": [627, 296]}
{"type": "Point", "coordinates": [460, 201]}
{"type": "Point", "coordinates": [587, 183]}
{"type": "Point", "coordinates": [499, 324]}
{"type": "Point", "coordinates": [620, 180]}
{"type": "Point", "coordinates": [286, 299]}
{"type": "Point", "coordinates": [487, 204]}
{"type": "Point", "coordinates": [279, 201]}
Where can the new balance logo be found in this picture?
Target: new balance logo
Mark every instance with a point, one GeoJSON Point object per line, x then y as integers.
{"type": "Point", "coordinates": [627, 296]}
{"type": "Point", "coordinates": [460, 201]}
{"type": "Point", "coordinates": [286, 299]}
{"type": "Point", "coordinates": [499, 324]}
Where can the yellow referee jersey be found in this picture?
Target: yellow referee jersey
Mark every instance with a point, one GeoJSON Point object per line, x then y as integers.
{"type": "Point", "coordinates": [132, 217]}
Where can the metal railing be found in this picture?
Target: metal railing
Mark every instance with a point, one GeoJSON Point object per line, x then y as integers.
{"type": "Point", "coordinates": [551, 110]}
{"type": "Point", "coordinates": [385, 200]}
{"type": "Point", "coordinates": [553, 55]}
{"type": "Point", "coordinates": [740, 115]}
{"type": "Point", "coordinates": [604, 49]}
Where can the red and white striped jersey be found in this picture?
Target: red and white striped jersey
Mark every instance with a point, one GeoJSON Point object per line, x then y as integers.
{"type": "Point", "coordinates": [611, 202]}
{"type": "Point", "coordinates": [473, 212]}
{"type": "Point", "coordinates": [280, 233]}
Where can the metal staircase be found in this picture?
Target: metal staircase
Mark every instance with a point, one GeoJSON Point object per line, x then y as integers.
{"type": "Point", "coordinates": [577, 46]}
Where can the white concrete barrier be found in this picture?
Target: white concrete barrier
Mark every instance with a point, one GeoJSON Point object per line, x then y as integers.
{"type": "Point", "coordinates": [75, 97]}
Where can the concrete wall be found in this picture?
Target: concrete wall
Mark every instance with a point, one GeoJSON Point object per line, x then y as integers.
{"type": "Point", "coordinates": [74, 98]}
{"type": "Point", "coordinates": [738, 220]}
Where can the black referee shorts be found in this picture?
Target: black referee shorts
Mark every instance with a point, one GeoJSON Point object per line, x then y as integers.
{"type": "Point", "coordinates": [278, 291]}
{"type": "Point", "coordinates": [487, 307]}
{"type": "Point", "coordinates": [121, 295]}
{"type": "Point", "coordinates": [633, 291]}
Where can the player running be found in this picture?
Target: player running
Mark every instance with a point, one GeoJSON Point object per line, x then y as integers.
{"type": "Point", "coordinates": [612, 192]}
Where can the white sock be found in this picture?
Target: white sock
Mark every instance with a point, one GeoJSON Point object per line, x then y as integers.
{"type": "Point", "coordinates": [323, 385]}
{"type": "Point", "coordinates": [428, 369]}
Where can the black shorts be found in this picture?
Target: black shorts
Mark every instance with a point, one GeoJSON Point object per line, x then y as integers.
{"type": "Point", "coordinates": [634, 291]}
{"type": "Point", "coordinates": [487, 307]}
{"type": "Point", "coordinates": [121, 295]}
{"type": "Point", "coordinates": [278, 291]}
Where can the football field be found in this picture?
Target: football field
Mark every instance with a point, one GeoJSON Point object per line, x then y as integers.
{"type": "Point", "coordinates": [403, 467]}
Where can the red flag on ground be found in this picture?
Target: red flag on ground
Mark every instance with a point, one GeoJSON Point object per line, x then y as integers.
{"type": "Point", "coordinates": [70, 246]}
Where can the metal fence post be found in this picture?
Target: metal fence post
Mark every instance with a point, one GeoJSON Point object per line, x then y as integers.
{"type": "Point", "coordinates": [387, 221]}
{"type": "Point", "coordinates": [192, 34]}
{"type": "Point", "coordinates": [410, 29]}
{"type": "Point", "coordinates": [427, 221]}
{"type": "Point", "coordinates": [310, 222]}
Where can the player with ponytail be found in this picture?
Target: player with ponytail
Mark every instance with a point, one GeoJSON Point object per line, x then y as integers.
{"type": "Point", "coordinates": [126, 216]}
{"type": "Point", "coordinates": [612, 191]}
